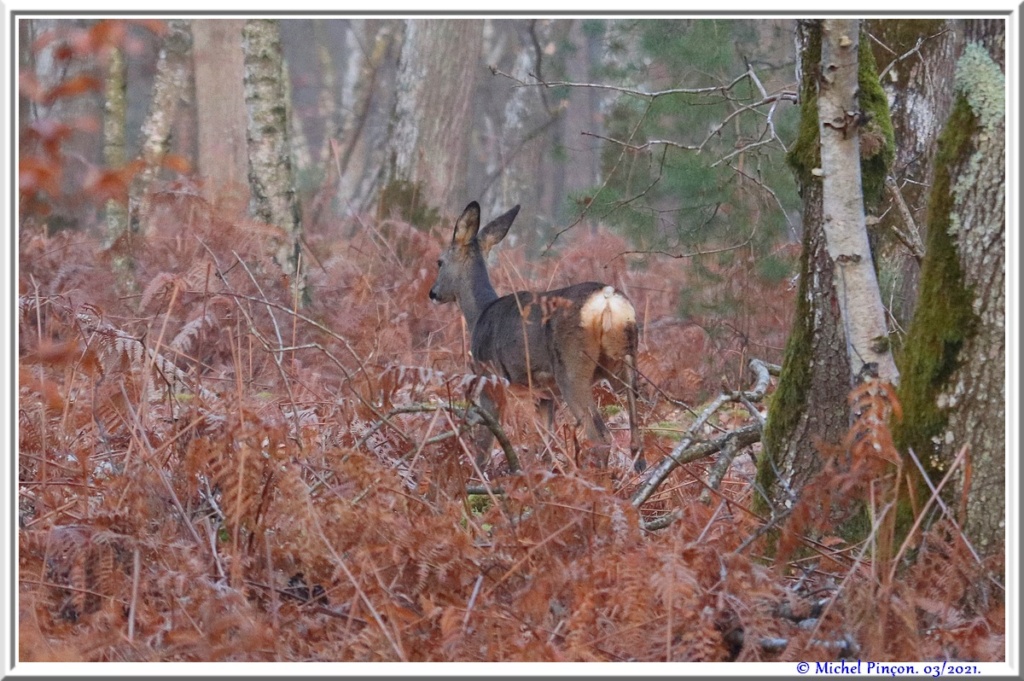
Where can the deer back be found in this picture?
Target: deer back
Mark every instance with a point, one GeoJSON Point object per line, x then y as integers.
{"type": "Point", "coordinates": [529, 337]}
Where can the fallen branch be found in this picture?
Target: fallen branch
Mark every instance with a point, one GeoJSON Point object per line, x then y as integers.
{"type": "Point", "coordinates": [686, 451]}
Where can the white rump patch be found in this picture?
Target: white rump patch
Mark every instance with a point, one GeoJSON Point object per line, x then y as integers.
{"type": "Point", "coordinates": [607, 309]}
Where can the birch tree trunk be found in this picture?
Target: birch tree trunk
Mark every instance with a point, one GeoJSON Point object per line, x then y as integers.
{"type": "Point", "coordinates": [271, 178]}
{"type": "Point", "coordinates": [839, 120]}
{"type": "Point", "coordinates": [220, 111]}
{"type": "Point", "coordinates": [809, 406]}
{"type": "Point", "coordinates": [169, 91]}
{"type": "Point", "coordinates": [429, 142]}
{"type": "Point", "coordinates": [953, 394]}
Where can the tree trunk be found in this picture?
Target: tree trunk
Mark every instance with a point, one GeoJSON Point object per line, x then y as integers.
{"type": "Point", "coordinates": [429, 142]}
{"type": "Point", "coordinates": [809, 406]}
{"type": "Point", "coordinates": [271, 179]}
{"type": "Point", "coordinates": [362, 140]}
{"type": "Point", "coordinates": [860, 302]}
{"type": "Point", "coordinates": [115, 112]}
{"type": "Point", "coordinates": [514, 162]}
{"type": "Point", "coordinates": [954, 361]}
{"type": "Point", "coordinates": [220, 111]}
{"type": "Point", "coordinates": [169, 90]}
{"type": "Point", "coordinates": [918, 56]}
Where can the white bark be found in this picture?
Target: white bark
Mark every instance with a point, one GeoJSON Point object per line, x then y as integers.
{"type": "Point", "coordinates": [168, 92]}
{"type": "Point", "coordinates": [860, 302]}
{"type": "Point", "coordinates": [271, 178]}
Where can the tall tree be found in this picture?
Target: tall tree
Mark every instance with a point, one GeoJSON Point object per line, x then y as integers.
{"type": "Point", "coordinates": [429, 142]}
{"type": "Point", "coordinates": [840, 120]}
{"type": "Point", "coordinates": [953, 392]}
{"type": "Point", "coordinates": [169, 91]}
{"type": "Point", "coordinates": [271, 177]}
{"type": "Point", "coordinates": [810, 404]}
{"type": "Point", "coordinates": [915, 57]}
{"type": "Point", "coordinates": [115, 154]}
{"type": "Point", "coordinates": [220, 110]}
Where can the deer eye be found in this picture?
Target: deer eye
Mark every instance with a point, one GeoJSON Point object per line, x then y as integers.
{"type": "Point", "coordinates": [440, 263]}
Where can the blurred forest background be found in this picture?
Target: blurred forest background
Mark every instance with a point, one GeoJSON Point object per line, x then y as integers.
{"type": "Point", "coordinates": [241, 422]}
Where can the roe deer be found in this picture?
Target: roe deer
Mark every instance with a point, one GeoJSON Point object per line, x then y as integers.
{"type": "Point", "coordinates": [560, 341]}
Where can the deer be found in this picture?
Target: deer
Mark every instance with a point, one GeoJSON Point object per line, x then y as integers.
{"type": "Point", "coordinates": [559, 342]}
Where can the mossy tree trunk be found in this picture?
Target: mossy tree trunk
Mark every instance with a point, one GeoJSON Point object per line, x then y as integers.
{"type": "Point", "coordinates": [428, 148]}
{"type": "Point", "coordinates": [840, 120]}
{"type": "Point", "coordinates": [918, 57]}
{"type": "Point", "coordinates": [271, 175]}
{"type": "Point", "coordinates": [953, 393]}
{"type": "Point", "coordinates": [810, 405]}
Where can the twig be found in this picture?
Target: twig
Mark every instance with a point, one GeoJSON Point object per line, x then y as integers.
{"type": "Point", "coordinates": [488, 420]}
{"type": "Point", "coordinates": [745, 436]}
{"type": "Point", "coordinates": [538, 82]}
{"type": "Point", "coordinates": [684, 452]}
{"type": "Point", "coordinates": [136, 569]}
{"type": "Point", "coordinates": [911, 238]}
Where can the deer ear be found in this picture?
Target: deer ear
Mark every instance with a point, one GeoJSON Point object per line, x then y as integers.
{"type": "Point", "coordinates": [496, 230]}
{"type": "Point", "coordinates": [467, 225]}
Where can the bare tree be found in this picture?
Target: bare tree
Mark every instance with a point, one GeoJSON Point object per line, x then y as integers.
{"type": "Point", "coordinates": [169, 91]}
{"type": "Point", "coordinates": [809, 406]}
{"type": "Point", "coordinates": [115, 154]}
{"type": "Point", "coordinates": [839, 121]}
{"type": "Point", "coordinates": [271, 178]}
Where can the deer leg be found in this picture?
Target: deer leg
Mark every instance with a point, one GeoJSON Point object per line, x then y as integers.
{"type": "Point", "coordinates": [483, 438]}
{"type": "Point", "coordinates": [574, 384]}
{"type": "Point", "coordinates": [635, 440]}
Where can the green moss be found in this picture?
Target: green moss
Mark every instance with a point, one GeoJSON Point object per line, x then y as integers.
{"type": "Point", "coordinates": [789, 400]}
{"type": "Point", "coordinates": [878, 155]}
{"type": "Point", "coordinates": [805, 154]}
{"type": "Point", "coordinates": [944, 318]}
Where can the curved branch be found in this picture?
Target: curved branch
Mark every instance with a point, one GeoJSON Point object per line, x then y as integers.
{"type": "Point", "coordinates": [686, 452]}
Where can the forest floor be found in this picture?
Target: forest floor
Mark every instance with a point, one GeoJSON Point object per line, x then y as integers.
{"type": "Point", "coordinates": [209, 473]}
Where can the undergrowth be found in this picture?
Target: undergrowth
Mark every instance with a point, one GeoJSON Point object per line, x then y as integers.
{"type": "Point", "coordinates": [207, 473]}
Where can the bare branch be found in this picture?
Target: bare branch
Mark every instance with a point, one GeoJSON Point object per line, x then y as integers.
{"type": "Point", "coordinates": [911, 238]}
{"type": "Point", "coordinates": [684, 452]}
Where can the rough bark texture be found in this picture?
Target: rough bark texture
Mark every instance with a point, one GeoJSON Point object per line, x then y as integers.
{"type": "Point", "coordinates": [115, 108]}
{"type": "Point", "coordinates": [429, 143]}
{"type": "Point", "coordinates": [920, 56]}
{"type": "Point", "coordinates": [369, 45]}
{"type": "Point", "coordinates": [513, 161]}
{"type": "Point", "coordinates": [809, 406]}
{"type": "Point", "coordinates": [115, 155]}
{"type": "Point", "coordinates": [271, 178]}
{"type": "Point", "coordinates": [860, 302]}
{"type": "Point", "coordinates": [220, 111]}
{"type": "Point", "coordinates": [954, 395]}
{"type": "Point", "coordinates": [169, 91]}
